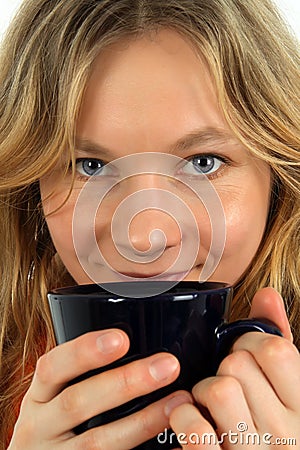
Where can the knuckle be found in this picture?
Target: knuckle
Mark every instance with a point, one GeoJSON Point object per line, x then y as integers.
{"type": "Point", "coordinates": [77, 349]}
{"type": "Point", "coordinates": [72, 402]}
{"type": "Point", "coordinates": [44, 368]}
{"type": "Point", "coordinates": [275, 346]}
{"type": "Point", "coordinates": [83, 351]}
{"type": "Point", "coordinates": [125, 380]}
{"type": "Point", "coordinates": [234, 362]}
{"type": "Point", "coordinates": [89, 440]}
{"type": "Point", "coordinates": [147, 426]}
{"type": "Point", "coordinates": [223, 390]}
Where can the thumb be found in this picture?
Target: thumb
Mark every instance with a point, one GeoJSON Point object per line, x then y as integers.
{"type": "Point", "coordinates": [267, 303]}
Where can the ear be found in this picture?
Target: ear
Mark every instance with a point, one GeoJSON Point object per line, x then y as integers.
{"type": "Point", "coordinates": [267, 303]}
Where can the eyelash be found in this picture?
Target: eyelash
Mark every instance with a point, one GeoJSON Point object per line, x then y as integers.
{"type": "Point", "coordinates": [80, 176]}
{"type": "Point", "coordinates": [225, 163]}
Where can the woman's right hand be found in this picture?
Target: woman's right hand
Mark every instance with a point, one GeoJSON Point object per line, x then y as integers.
{"type": "Point", "coordinates": [51, 409]}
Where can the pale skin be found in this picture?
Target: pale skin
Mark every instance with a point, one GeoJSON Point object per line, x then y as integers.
{"type": "Point", "coordinates": [146, 96]}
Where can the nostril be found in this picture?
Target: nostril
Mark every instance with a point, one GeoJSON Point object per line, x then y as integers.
{"type": "Point", "coordinates": [146, 236]}
{"type": "Point", "coordinates": [152, 231]}
{"type": "Point", "coordinates": [155, 242]}
{"type": "Point", "coordinates": [158, 239]}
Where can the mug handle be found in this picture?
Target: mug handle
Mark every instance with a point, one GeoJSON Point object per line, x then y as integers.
{"type": "Point", "coordinates": [227, 333]}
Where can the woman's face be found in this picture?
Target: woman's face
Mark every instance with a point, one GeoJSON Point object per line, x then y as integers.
{"type": "Point", "coordinates": [152, 103]}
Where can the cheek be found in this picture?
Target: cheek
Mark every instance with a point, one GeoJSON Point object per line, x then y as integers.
{"type": "Point", "coordinates": [60, 227]}
{"type": "Point", "coordinates": [73, 232]}
{"type": "Point", "coordinates": [244, 229]}
{"type": "Point", "coordinates": [59, 218]}
{"type": "Point", "coordinates": [245, 224]}
{"type": "Point", "coordinates": [60, 223]}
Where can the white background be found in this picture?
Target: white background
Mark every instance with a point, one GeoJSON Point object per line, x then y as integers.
{"type": "Point", "coordinates": [290, 8]}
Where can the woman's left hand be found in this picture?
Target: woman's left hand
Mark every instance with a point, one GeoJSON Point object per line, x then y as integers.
{"type": "Point", "coordinates": [254, 399]}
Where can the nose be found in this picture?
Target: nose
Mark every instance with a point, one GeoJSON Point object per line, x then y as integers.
{"type": "Point", "coordinates": [151, 231]}
{"type": "Point", "coordinates": [146, 225]}
{"type": "Point", "coordinates": [147, 236]}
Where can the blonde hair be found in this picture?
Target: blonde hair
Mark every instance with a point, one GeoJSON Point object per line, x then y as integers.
{"type": "Point", "coordinates": [46, 59]}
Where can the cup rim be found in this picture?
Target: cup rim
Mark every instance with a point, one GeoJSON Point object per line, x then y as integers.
{"type": "Point", "coordinates": [188, 288]}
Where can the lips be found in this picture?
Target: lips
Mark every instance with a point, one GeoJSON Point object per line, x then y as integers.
{"type": "Point", "coordinates": [164, 276]}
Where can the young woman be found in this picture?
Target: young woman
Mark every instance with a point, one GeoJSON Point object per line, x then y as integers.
{"type": "Point", "coordinates": [83, 84]}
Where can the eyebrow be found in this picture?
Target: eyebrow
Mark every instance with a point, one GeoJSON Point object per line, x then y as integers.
{"type": "Point", "coordinates": [202, 137]}
{"type": "Point", "coordinates": [89, 146]}
{"type": "Point", "coordinates": [207, 136]}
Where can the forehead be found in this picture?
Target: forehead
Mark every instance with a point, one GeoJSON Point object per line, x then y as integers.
{"type": "Point", "coordinates": [155, 82]}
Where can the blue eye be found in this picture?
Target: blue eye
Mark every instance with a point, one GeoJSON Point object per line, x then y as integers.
{"type": "Point", "coordinates": [202, 164]}
{"type": "Point", "coordinates": [89, 166]}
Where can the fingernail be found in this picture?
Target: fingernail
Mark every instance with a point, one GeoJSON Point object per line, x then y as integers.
{"type": "Point", "coordinates": [109, 342]}
{"type": "Point", "coordinates": [176, 401]}
{"type": "Point", "coordinates": [163, 367]}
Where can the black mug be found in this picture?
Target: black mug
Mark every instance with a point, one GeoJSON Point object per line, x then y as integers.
{"type": "Point", "coordinates": [188, 319]}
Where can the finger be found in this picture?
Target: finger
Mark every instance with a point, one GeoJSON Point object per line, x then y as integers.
{"type": "Point", "coordinates": [267, 303]}
{"type": "Point", "coordinates": [279, 360]}
{"type": "Point", "coordinates": [259, 393]}
{"type": "Point", "coordinates": [223, 396]}
{"type": "Point", "coordinates": [130, 431]}
{"type": "Point", "coordinates": [192, 430]}
{"type": "Point", "coordinates": [67, 361]}
{"type": "Point", "coordinates": [81, 401]}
